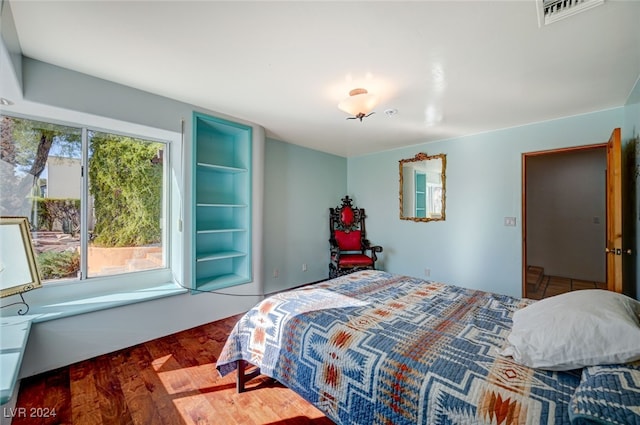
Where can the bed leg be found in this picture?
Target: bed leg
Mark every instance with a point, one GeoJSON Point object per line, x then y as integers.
{"type": "Point", "coordinates": [240, 377]}
{"type": "Point", "coordinates": [243, 377]}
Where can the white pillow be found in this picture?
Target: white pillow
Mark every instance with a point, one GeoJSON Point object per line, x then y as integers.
{"type": "Point", "coordinates": [576, 329]}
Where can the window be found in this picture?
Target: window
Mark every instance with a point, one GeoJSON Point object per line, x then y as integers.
{"type": "Point", "coordinates": [95, 201]}
{"type": "Point", "coordinates": [421, 195]}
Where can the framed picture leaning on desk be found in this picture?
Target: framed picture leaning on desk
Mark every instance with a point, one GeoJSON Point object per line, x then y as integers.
{"type": "Point", "coordinates": [18, 271]}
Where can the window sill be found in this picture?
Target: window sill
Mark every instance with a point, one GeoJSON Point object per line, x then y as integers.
{"type": "Point", "coordinates": [57, 310]}
{"type": "Point", "coordinates": [69, 298]}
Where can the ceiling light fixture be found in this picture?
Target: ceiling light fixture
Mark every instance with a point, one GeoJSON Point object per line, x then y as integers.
{"type": "Point", "coordinates": [360, 104]}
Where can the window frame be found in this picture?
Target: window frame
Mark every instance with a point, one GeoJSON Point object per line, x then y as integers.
{"type": "Point", "coordinates": [69, 291]}
{"type": "Point", "coordinates": [166, 197]}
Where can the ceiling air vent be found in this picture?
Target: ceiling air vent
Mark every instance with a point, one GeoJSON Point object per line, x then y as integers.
{"type": "Point", "coordinates": [550, 11]}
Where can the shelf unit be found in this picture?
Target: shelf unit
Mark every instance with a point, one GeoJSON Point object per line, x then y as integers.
{"type": "Point", "coordinates": [222, 194]}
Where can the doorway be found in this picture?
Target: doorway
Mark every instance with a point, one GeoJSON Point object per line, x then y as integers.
{"type": "Point", "coordinates": [564, 220]}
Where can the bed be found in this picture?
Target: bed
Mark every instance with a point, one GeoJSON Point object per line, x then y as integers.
{"type": "Point", "coordinates": [377, 348]}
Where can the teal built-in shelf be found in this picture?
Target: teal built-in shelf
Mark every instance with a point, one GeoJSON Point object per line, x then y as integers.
{"type": "Point", "coordinates": [222, 213]}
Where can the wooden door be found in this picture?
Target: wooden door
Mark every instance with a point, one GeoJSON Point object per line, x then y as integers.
{"type": "Point", "coordinates": [614, 212]}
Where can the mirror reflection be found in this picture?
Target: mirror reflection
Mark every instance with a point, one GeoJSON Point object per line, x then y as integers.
{"type": "Point", "coordinates": [422, 188]}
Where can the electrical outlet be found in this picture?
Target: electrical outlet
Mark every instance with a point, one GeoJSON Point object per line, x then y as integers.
{"type": "Point", "coordinates": [427, 272]}
{"type": "Point", "coordinates": [275, 273]}
{"type": "Point", "coordinates": [304, 267]}
{"type": "Point", "coordinates": [510, 221]}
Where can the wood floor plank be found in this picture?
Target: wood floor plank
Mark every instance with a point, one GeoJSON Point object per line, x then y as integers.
{"type": "Point", "coordinates": [85, 407]}
{"type": "Point", "coordinates": [56, 398]}
{"type": "Point", "coordinates": [161, 398]}
{"type": "Point", "coordinates": [177, 371]}
{"type": "Point", "coordinates": [113, 408]}
{"type": "Point", "coordinates": [168, 381]}
{"type": "Point", "coordinates": [49, 403]}
{"type": "Point", "coordinates": [134, 389]}
{"type": "Point", "coordinates": [581, 284]}
{"type": "Point", "coordinates": [198, 345]}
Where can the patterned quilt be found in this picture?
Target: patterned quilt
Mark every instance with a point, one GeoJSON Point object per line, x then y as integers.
{"type": "Point", "coordinates": [607, 394]}
{"type": "Point", "coordinates": [376, 348]}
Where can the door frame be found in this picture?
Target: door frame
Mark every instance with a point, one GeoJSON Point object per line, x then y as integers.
{"type": "Point", "coordinates": [523, 179]}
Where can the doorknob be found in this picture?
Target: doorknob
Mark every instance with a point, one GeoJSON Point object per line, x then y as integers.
{"type": "Point", "coordinates": [629, 251]}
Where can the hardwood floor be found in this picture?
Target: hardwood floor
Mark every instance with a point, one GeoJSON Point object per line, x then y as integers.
{"type": "Point", "coordinates": [541, 286]}
{"type": "Point", "coordinates": [170, 380]}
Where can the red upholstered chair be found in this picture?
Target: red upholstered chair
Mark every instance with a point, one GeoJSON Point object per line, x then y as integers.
{"type": "Point", "coordinates": [349, 243]}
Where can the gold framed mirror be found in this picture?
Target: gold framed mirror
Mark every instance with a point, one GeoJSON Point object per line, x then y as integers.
{"type": "Point", "coordinates": [423, 187]}
{"type": "Point", "coordinates": [18, 271]}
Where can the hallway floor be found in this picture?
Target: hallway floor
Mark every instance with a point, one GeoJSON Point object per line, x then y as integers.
{"type": "Point", "coordinates": [541, 286]}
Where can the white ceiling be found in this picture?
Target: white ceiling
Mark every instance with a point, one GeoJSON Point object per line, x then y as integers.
{"type": "Point", "coordinates": [450, 68]}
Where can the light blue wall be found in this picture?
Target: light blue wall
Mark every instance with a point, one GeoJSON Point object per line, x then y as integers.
{"type": "Point", "coordinates": [52, 85]}
{"type": "Point", "coordinates": [472, 248]}
{"type": "Point", "coordinates": [11, 43]}
{"type": "Point", "coordinates": [634, 96]}
{"type": "Point", "coordinates": [300, 186]}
